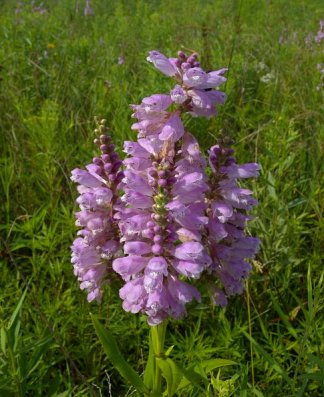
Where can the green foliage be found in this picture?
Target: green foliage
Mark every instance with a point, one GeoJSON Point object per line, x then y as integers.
{"type": "Point", "coordinates": [120, 364]}
{"type": "Point", "coordinates": [57, 71]}
{"type": "Point", "coordinates": [18, 361]}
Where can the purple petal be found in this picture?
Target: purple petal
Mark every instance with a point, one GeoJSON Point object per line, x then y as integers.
{"type": "Point", "coordinates": [157, 264]}
{"type": "Point", "coordinates": [129, 265]}
{"type": "Point", "coordinates": [162, 63]}
{"type": "Point", "coordinates": [221, 210]}
{"type": "Point", "coordinates": [85, 178]}
{"type": "Point", "coordinates": [157, 102]}
{"type": "Point", "coordinates": [214, 79]}
{"type": "Point", "coordinates": [219, 297]}
{"type": "Point", "coordinates": [194, 77]}
{"type": "Point", "coordinates": [248, 170]}
{"type": "Point", "coordinates": [137, 199]}
{"type": "Point", "coordinates": [173, 129]}
{"type": "Point", "coordinates": [188, 235]}
{"type": "Point", "coordinates": [137, 183]}
{"type": "Point", "coordinates": [190, 250]}
{"type": "Point", "coordinates": [217, 230]}
{"type": "Point", "coordinates": [182, 292]}
{"type": "Point", "coordinates": [188, 269]}
{"type": "Point", "coordinates": [137, 248]}
{"type": "Point", "coordinates": [152, 146]}
{"type": "Point", "coordinates": [178, 95]}
{"type": "Point", "coordinates": [135, 149]}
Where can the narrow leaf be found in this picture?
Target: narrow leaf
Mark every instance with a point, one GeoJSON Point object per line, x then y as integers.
{"type": "Point", "coordinates": [268, 358]}
{"type": "Point", "coordinates": [210, 365]}
{"type": "Point", "coordinates": [39, 350]}
{"type": "Point", "coordinates": [171, 373]}
{"type": "Point", "coordinates": [112, 351]}
{"type": "Point", "coordinates": [3, 336]}
{"type": "Point", "coordinates": [283, 316]}
{"type": "Point", "coordinates": [168, 352]}
{"type": "Point", "coordinates": [14, 324]}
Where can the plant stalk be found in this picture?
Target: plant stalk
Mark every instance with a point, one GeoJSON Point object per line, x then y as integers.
{"type": "Point", "coordinates": [157, 338]}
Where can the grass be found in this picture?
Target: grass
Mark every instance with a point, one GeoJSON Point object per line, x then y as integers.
{"type": "Point", "coordinates": [58, 70]}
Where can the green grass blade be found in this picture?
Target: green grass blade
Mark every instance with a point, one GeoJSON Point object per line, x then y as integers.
{"type": "Point", "coordinates": [3, 336]}
{"type": "Point", "coordinates": [283, 316]}
{"type": "Point", "coordinates": [40, 348]}
{"type": "Point", "coordinates": [14, 323]}
{"type": "Point", "coordinates": [268, 358]}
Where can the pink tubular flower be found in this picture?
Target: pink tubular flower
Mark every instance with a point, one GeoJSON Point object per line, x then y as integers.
{"type": "Point", "coordinates": [229, 247]}
{"type": "Point", "coordinates": [161, 62]}
{"type": "Point", "coordinates": [98, 241]}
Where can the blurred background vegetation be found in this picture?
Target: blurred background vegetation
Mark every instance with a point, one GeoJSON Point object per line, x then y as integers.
{"type": "Point", "coordinates": [58, 69]}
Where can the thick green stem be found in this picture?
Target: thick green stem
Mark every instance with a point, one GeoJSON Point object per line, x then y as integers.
{"type": "Point", "coordinates": [157, 338]}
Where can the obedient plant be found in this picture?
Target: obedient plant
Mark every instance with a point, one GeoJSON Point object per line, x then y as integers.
{"type": "Point", "coordinates": [166, 215]}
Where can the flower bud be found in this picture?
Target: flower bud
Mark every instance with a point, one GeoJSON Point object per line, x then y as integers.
{"type": "Point", "coordinates": [157, 249]}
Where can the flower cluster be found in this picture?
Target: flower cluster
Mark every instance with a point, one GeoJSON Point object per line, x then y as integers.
{"type": "Point", "coordinates": [227, 206]}
{"type": "Point", "coordinates": [173, 222]}
{"type": "Point", "coordinates": [163, 211]}
{"type": "Point", "coordinates": [98, 241]}
{"type": "Point", "coordinates": [194, 90]}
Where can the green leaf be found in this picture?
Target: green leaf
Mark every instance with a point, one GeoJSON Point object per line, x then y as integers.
{"type": "Point", "coordinates": [191, 377]}
{"type": "Point", "coordinates": [310, 293]}
{"type": "Point", "coordinates": [3, 336]}
{"type": "Point", "coordinates": [14, 324]}
{"type": "Point", "coordinates": [171, 373]}
{"type": "Point", "coordinates": [39, 350]}
{"type": "Point", "coordinates": [112, 351]}
{"type": "Point", "coordinates": [206, 366]}
{"type": "Point", "coordinates": [210, 365]}
{"type": "Point", "coordinates": [168, 352]}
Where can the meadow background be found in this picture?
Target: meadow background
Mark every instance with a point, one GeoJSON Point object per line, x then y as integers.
{"type": "Point", "coordinates": [58, 69]}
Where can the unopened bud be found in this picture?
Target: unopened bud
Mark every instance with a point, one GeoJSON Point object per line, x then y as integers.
{"type": "Point", "coordinates": [182, 55]}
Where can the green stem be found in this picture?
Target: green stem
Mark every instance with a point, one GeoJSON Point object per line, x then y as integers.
{"type": "Point", "coordinates": [157, 338]}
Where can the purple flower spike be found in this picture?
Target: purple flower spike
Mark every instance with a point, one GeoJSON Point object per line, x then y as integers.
{"type": "Point", "coordinates": [173, 222]}
{"type": "Point", "coordinates": [162, 207]}
{"type": "Point", "coordinates": [98, 244]}
{"type": "Point", "coordinates": [228, 245]}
